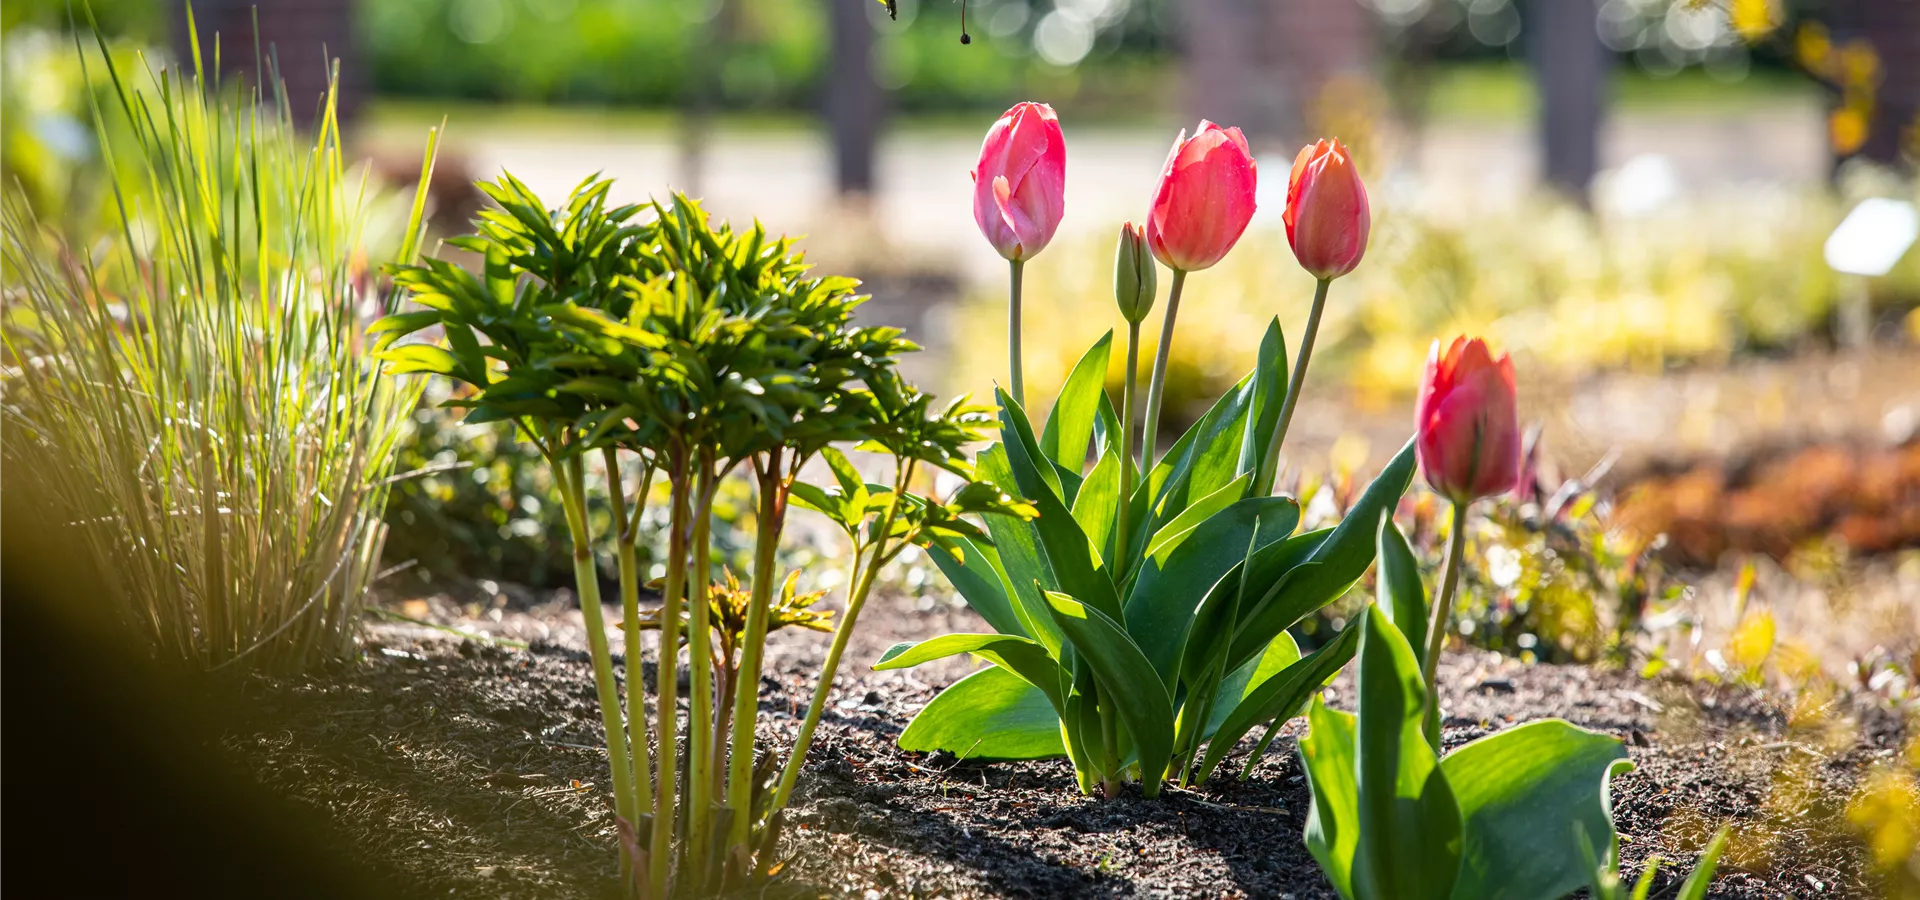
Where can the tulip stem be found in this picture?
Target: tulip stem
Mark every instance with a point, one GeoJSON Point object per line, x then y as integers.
{"type": "Point", "coordinates": [1127, 400]}
{"type": "Point", "coordinates": [1016, 267]}
{"type": "Point", "coordinates": [1437, 628]}
{"type": "Point", "coordinates": [1269, 469]}
{"type": "Point", "coordinates": [1156, 389]}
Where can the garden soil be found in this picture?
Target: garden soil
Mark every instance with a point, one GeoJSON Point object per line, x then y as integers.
{"type": "Point", "coordinates": [468, 768]}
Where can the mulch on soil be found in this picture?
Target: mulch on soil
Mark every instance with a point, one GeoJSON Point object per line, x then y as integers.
{"type": "Point", "coordinates": [468, 769]}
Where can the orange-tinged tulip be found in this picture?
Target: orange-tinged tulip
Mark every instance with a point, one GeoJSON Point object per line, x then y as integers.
{"type": "Point", "coordinates": [1468, 430]}
{"type": "Point", "coordinates": [1327, 216]}
{"type": "Point", "coordinates": [1204, 200]}
{"type": "Point", "coordinates": [1020, 182]}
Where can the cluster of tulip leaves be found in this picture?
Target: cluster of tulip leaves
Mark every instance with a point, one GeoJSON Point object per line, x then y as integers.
{"type": "Point", "coordinates": [692, 349]}
{"type": "Point", "coordinates": [1130, 652]}
{"type": "Point", "coordinates": [1520, 814]}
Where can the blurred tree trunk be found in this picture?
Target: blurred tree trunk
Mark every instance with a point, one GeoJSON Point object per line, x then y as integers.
{"type": "Point", "coordinates": [300, 38]}
{"type": "Point", "coordinates": [1264, 65]}
{"type": "Point", "coordinates": [1892, 29]}
{"type": "Point", "coordinates": [854, 104]}
{"type": "Point", "coordinates": [1570, 68]}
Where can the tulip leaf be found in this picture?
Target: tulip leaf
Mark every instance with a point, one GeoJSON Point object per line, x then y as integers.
{"type": "Point", "coordinates": [1282, 695]}
{"type": "Point", "coordinates": [1021, 656]}
{"type": "Point", "coordinates": [1126, 679]}
{"type": "Point", "coordinates": [1270, 390]}
{"type": "Point", "coordinates": [1021, 560]}
{"type": "Point", "coordinates": [1518, 790]}
{"type": "Point", "coordinates": [1070, 423]}
{"type": "Point", "coordinates": [1260, 617]}
{"type": "Point", "coordinates": [975, 572]}
{"type": "Point", "coordinates": [1206, 457]}
{"type": "Point", "coordinates": [990, 714]}
{"type": "Point", "coordinates": [1170, 588]}
{"type": "Point", "coordinates": [1032, 470]}
{"type": "Point", "coordinates": [1281, 652]}
{"type": "Point", "coordinates": [1410, 823]}
{"type": "Point", "coordinates": [1403, 598]}
{"type": "Point", "coordinates": [1333, 822]}
{"type": "Point", "coordinates": [1172, 534]}
{"type": "Point", "coordinates": [1095, 506]}
{"type": "Point", "coordinates": [1069, 562]}
{"type": "Point", "coordinates": [1339, 560]}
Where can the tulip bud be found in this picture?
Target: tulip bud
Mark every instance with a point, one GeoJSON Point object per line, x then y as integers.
{"type": "Point", "coordinates": [1133, 274]}
{"type": "Point", "coordinates": [1468, 433]}
{"type": "Point", "coordinates": [1327, 217]}
{"type": "Point", "coordinates": [1020, 182]}
{"type": "Point", "coordinates": [1205, 198]}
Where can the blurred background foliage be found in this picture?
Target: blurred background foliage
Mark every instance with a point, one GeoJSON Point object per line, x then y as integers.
{"type": "Point", "coordinates": [1698, 281]}
{"type": "Point", "coordinates": [1097, 55]}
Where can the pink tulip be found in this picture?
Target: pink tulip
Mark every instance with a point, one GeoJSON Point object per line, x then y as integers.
{"type": "Point", "coordinates": [1020, 183]}
{"type": "Point", "coordinates": [1327, 216]}
{"type": "Point", "coordinates": [1469, 433]}
{"type": "Point", "coordinates": [1205, 198]}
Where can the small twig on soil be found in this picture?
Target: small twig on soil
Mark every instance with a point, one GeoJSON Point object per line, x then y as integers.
{"type": "Point", "coordinates": [470, 635]}
{"type": "Point", "coordinates": [566, 744]}
{"type": "Point", "coordinates": [1190, 798]}
{"type": "Point", "coordinates": [1793, 745]}
{"type": "Point", "coordinates": [1649, 703]}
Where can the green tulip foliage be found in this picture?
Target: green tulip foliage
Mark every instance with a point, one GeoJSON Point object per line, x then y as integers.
{"type": "Point", "coordinates": [670, 346]}
{"type": "Point", "coordinates": [1133, 650]}
{"type": "Point", "coordinates": [1519, 815]}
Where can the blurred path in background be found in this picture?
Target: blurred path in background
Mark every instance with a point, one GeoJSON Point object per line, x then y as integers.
{"type": "Point", "coordinates": [922, 210]}
{"type": "Point", "coordinates": [916, 243]}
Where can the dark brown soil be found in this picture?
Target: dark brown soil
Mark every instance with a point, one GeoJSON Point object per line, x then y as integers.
{"type": "Point", "coordinates": [467, 769]}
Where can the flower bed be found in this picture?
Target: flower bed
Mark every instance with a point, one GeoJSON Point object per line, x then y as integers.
{"type": "Point", "coordinates": [447, 767]}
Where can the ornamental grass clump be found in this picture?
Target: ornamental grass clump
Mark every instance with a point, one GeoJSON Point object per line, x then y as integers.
{"type": "Point", "coordinates": [666, 347]}
{"type": "Point", "coordinates": [189, 393]}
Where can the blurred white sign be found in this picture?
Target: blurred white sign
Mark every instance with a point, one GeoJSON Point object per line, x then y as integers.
{"type": "Point", "coordinates": [1873, 237]}
{"type": "Point", "coordinates": [1640, 186]}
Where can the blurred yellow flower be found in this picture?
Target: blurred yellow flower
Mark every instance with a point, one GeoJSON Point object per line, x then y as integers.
{"type": "Point", "coordinates": [1811, 46]}
{"type": "Point", "coordinates": [1754, 19]}
{"type": "Point", "coordinates": [1847, 130]}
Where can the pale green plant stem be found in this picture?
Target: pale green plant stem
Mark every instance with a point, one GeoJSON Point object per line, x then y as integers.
{"type": "Point", "coordinates": [1156, 389]}
{"type": "Point", "coordinates": [858, 587]}
{"type": "Point", "coordinates": [1442, 612]}
{"type": "Point", "coordinates": [700, 736]}
{"type": "Point", "coordinates": [1122, 557]}
{"type": "Point", "coordinates": [1018, 382]}
{"type": "Point", "coordinates": [629, 526]}
{"type": "Point", "coordinates": [746, 700]}
{"type": "Point", "coordinates": [572, 482]}
{"type": "Point", "coordinates": [660, 856]}
{"type": "Point", "coordinates": [1269, 466]}
{"type": "Point", "coordinates": [1197, 710]}
{"type": "Point", "coordinates": [1110, 776]}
